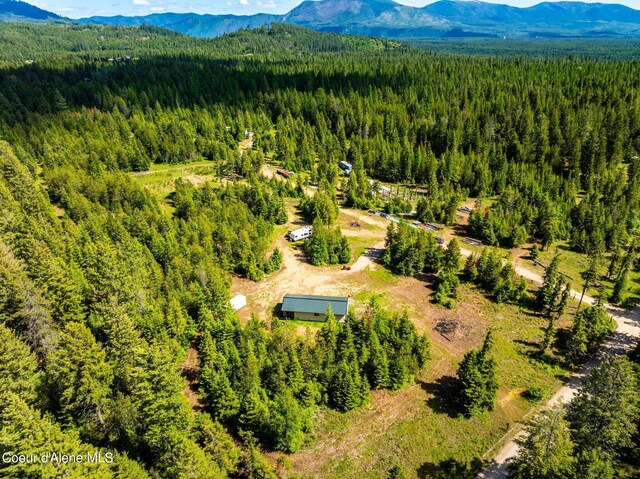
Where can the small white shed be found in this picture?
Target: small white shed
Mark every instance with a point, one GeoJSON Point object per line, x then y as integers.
{"type": "Point", "coordinates": [238, 302]}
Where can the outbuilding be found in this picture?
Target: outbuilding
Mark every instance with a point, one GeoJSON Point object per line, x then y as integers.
{"type": "Point", "coordinates": [313, 308]}
{"type": "Point", "coordinates": [238, 302]}
{"type": "Point", "coordinates": [346, 167]}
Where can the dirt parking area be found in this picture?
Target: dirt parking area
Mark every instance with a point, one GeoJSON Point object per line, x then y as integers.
{"type": "Point", "coordinates": [296, 276]}
{"type": "Point", "coordinates": [367, 277]}
{"type": "Point", "coordinates": [366, 233]}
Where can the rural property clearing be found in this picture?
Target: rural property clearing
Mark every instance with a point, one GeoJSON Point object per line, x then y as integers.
{"type": "Point", "coordinates": [622, 341]}
{"type": "Point", "coordinates": [415, 427]}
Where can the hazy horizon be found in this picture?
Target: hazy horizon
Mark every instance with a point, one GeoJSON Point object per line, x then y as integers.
{"type": "Point", "coordinates": [80, 8]}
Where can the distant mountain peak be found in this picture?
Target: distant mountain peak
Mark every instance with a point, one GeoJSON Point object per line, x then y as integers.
{"type": "Point", "coordinates": [388, 18]}
{"type": "Point", "coordinates": [16, 10]}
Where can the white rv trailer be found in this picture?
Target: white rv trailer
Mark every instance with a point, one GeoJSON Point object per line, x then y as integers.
{"type": "Point", "coordinates": [300, 234]}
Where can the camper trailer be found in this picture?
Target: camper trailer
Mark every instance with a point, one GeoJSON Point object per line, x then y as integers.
{"type": "Point", "coordinates": [300, 234]}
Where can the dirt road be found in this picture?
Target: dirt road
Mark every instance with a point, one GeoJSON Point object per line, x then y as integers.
{"type": "Point", "coordinates": [622, 341]}
{"type": "Point", "coordinates": [369, 257]}
{"type": "Point", "coordinates": [536, 278]}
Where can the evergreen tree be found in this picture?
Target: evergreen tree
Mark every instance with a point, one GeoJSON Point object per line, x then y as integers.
{"type": "Point", "coordinates": [255, 414]}
{"type": "Point", "coordinates": [602, 413]}
{"type": "Point", "coordinates": [254, 466]}
{"type": "Point", "coordinates": [590, 328]}
{"type": "Point", "coordinates": [592, 463]}
{"type": "Point", "coordinates": [217, 443]}
{"type": "Point", "coordinates": [18, 368]}
{"type": "Point", "coordinates": [590, 276]}
{"type": "Point", "coordinates": [470, 271]}
{"type": "Point", "coordinates": [477, 379]}
{"type": "Point", "coordinates": [620, 287]}
{"type": "Point", "coordinates": [546, 449]}
{"type": "Point", "coordinates": [290, 423]}
{"type": "Point", "coordinates": [448, 281]}
{"type": "Point", "coordinates": [23, 428]}
{"type": "Point", "coordinates": [554, 293]}
{"type": "Point", "coordinates": [379, 376]}
{"type": "Point", "coordinates": [346, 392]}
{"type": "Point", "coordinates": [81, 375]}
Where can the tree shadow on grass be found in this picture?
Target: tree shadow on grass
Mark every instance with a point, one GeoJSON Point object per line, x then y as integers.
{"type": "Point", "coordinates": [529, 344]}
{"type": "Point", "coordinates": [543, 357]}
{"type": "Point", "coordinates": [444, 396]}
{"type": "Point", "coordinates": [532, 350]}
{"type": "Point", "coordinates": [529, 304]}
{"type": "Point", "coordinates": [450, 469]}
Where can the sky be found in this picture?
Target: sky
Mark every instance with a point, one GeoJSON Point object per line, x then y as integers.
{"type": "Point", "coordinates": [84, 8]}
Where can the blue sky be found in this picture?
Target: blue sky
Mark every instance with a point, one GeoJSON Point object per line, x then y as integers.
{"type": "Point", "coordinates": [83, 8]}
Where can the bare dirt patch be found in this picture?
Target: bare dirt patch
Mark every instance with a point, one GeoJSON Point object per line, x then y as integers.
{"type": "Point", "coordinates": [298, 276]}
{"type": "Point", "coordinates": [191, 373]}
{"type": "Point", "coordinates": [245, 145]}
{"type": "Point", "coordinates": [59, 212]}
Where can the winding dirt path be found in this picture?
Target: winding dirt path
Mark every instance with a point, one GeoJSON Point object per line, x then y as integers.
{"type": "Point", "coordinates": [368, 257]}
{"type": "Point", "coordinates": [622, 341]}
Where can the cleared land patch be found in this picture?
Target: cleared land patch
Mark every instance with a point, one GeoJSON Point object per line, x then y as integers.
{"type": "Point", "coordinates": [417, 427]}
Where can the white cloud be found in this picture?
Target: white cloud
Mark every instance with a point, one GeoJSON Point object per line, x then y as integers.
{"type": "Point", "coordinates": [143, 3]}
{"type": "Point", "coordinates": [270, 4]}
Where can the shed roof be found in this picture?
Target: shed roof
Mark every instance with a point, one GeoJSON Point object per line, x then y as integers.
{"type": "Point", "coordinates": [303, 303]}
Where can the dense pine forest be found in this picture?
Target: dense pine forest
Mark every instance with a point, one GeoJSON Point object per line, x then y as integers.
{"type": "Point", "coordinates": [602, 48]}
{"type": "Point", "coordinates": [103, 288]}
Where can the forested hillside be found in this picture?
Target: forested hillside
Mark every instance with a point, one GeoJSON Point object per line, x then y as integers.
{"type": "Point", "coordinates": [18, 11]}
{"type": "Point", "coordinates": [103, 289]}
{"type": "Point", "coordinates": [92, 42]}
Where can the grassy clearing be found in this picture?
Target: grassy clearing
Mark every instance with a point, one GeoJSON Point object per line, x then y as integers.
{"type": "Point", "coordinates": [305, 324]}
{"type": "Point", "coordinates": [417, 427]}
{"type": "Point", "coordinates": [574, 264]}
{"type": "Point", "coordinates": [380, 277]}
{"type": "Point", "coordinates": [366, 296]}
{"type": "Point", "coordinates": [160, 179]}
{"type": "Point", "coordinates": [359, 245]}
{"type": "Point", "coordinates": [571, 263]}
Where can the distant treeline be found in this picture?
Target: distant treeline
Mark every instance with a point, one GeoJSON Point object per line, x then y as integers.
{"type": "Point", "coordinates": [593, 48]}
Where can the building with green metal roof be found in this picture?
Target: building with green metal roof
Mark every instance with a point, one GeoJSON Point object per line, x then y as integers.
{"type": "Point", "coordinates": [313, 308]}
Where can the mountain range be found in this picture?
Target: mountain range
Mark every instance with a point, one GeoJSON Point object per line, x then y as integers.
{"type": "Point", "coordinates": [386, 18]}
{"type": "Point", "coordinates": [17, 11]}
